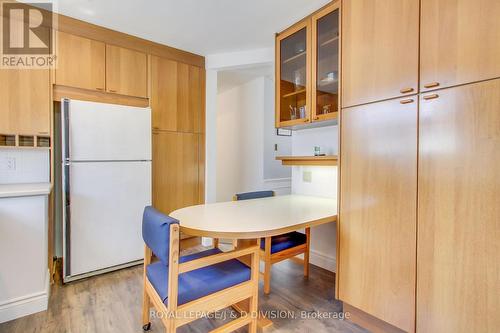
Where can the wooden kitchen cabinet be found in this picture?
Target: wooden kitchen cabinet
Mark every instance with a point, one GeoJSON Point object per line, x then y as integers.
{"type": "Point", "coordinates": [80, 62]}
{"type": "Point", "coordinates": [307, 71]}
{"type": "Point", "coordinates": [25, 102]}
{"type": "Point", "coordinates": [377, 221]}
{"type": "Point", "coordinates": [379, 50]}
{"type": "Point", "coordinates": [177, 96]}
{"type": "Point", "coordinates": [460, 42]}
{"type": "Point", "coordinates": [89, 64]}
{"type": "Point", "coordinates": [459, 212]}
{"type": "Point", "coordinates": [126, 71]}
{"type": "Point", "coordinates": [176, 176]}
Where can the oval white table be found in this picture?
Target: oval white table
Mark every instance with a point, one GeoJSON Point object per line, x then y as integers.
{"type": "Point", "coordinates": [254, 219]}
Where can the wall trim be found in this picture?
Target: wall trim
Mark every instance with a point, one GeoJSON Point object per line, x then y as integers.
{"type": "Point", "coordinates": [25, 305]}
{"type": "Point", "coordinates": [323, 260]}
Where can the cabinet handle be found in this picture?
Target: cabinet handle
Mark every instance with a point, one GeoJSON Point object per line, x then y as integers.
{"type": "Point", "coordinates": [316, 118]}
{"type": "Point", "coordinates": [43, 133]}
{"type": "Point", "coordinates": [431, 96]}
{"type": "Point", "coordinates": [101, 89]}
{"type": "Point", "coordinates": [406, 90]}
{"type": "Point", "coordinates": [306, 120]}
{"type": "Point", "coordinates": [406, 101]}
{"type": "Point", "coordinates": [111, 90]}
{"type": "Point", "coordinates": [431, 85]}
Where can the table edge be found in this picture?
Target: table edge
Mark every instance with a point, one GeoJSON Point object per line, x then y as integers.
{"type": "Point", "coordinates": [256, 234]}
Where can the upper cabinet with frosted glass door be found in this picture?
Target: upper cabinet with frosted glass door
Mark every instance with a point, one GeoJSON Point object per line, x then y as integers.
{"type": "Point", "coordinates": [325, 63]}
{"type": "Point", "coordinates": [293, 75]}
{"type": "Point", "coordinates": [307, 70]}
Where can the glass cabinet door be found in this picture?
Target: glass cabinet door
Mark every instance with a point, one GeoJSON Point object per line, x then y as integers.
{"type": "Point", "coordinates": [325, 64]}
{"type": "Point", "coordinates": [293, 71]}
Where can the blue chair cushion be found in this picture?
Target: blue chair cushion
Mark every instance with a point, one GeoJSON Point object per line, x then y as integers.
{"type": "Point", "coordinates": [285, 241]}
{"type": "Point", "coordinates": [254, 195]}
{"type": "Point", "coordinates": [156, 232]}
{"type": "Point", "coordinates": [200, 282]}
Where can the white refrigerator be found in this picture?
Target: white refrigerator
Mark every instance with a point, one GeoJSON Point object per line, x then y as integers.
{"type": "Point", "coordinates": [106, 183]}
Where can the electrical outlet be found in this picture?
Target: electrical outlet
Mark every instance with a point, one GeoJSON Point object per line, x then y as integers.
{"type": "Point", "coordinates": [9, 164]}
{"type": "Point", "coordinates": [307, 176]}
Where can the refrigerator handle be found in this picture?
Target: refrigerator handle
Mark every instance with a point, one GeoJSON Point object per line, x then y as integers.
{"type": "Point", "coordinates": [66, 199]}
{"type": "Point", "coordinates": [65, 130]}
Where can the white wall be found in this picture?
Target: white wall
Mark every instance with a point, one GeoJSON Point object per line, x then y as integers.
{"type": "Point", "coordinates": [323, 183]}
{"type": "Point", "coordinates": [273, 169]}
{"type": "Point", "coordinates": [245, 144]}
{"type": "Point", "coordinates": [24, 166]}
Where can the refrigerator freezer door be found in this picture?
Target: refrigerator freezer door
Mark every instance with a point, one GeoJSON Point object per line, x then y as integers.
{"type": "Point", "coordinates": [107, 200]}
{"type": "Point", "coordinates": [108, 132]}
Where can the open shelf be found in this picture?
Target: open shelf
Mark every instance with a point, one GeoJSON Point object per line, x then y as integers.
{"type": "Point", "coordinates": [7, 140]}
{"type": "Point", "coordinates": [297, 56]}
{"type": "Point", "coordinates": [24, 141]}
{"type": "Point", "coordinates": [329, 160]}
{"type": "Point", "coordinates": [294, 93]}
{"type": "Point", "coordinates": [329, 41]}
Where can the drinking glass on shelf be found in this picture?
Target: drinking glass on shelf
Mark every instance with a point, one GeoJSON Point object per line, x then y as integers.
{"type": "Point", "coordinates": [302, 112]}
{"type": "Point", "coordinates": [293, 112]}
{"type": "Point", "coordinates": [297, 79]}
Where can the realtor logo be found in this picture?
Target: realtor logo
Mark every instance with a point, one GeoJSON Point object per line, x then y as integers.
{"type": "Point", "coordinates": [27, 35]}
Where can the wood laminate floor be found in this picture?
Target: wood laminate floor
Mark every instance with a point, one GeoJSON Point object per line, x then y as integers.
{"type": "Point", "coordinates": [112, 303]}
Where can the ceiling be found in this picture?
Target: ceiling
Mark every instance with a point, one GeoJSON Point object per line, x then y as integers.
{"type": "Point", "coordinates": [199, 26]}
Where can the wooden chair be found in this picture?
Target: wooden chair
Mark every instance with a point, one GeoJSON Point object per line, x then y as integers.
{"type": "Point", "coordinates": [277, 248]}
{"type": "Point", "coordinates": [201, 283]}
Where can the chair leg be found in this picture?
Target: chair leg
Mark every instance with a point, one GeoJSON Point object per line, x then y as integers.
{"type": "Point", "coordinates": [146, 302]}
{"type": "Point", "coordinates": [267, 266]}
{"type": "Point", "coordinates": [216, 243]}
{"type": "Point", "coordinates": [235, 243]}
{"type": "Point", "coordinates": [306, 253]}
{"type": "Point", "coordinates": [146, 323]}
{"type": "Point", "coordinates": [171, 327]}
{"type": "Point", "coordinates": [253, 301]}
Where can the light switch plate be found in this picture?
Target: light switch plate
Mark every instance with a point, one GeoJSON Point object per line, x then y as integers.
{"type": "Point", "coordinates": [307, 176]}
{"type": "Point", "coordinates": [8, 164]}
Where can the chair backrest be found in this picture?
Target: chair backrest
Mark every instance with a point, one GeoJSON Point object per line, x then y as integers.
{"type": "Point", "coordinates": [156, 232]}
{"type": "Point", "coordinates": [254, 195]}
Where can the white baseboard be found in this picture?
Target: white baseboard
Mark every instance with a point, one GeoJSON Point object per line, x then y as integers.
{"type": "Point", "coordinates": [25, 305]}
{"type": "Point", "coordinates": [322, 260]}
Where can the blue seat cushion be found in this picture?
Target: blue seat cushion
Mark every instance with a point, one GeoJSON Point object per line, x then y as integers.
{"type": "Point", "coordinates": [285, 241]}
{"type": "Point", "coordinates": [199, 282]}
{"type": "Point", "coordinates": [254, 195]}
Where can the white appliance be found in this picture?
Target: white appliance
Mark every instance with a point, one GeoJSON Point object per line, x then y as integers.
{"type": "Point", "coordinates": [106, 183]}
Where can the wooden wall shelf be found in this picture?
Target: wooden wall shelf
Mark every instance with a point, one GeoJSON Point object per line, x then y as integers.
{"type": "Point", "coordinates": [330, 160]}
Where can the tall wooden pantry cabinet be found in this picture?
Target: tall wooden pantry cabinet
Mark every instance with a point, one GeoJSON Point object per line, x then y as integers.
{"type": "Point", "coordinates": [419, 218]}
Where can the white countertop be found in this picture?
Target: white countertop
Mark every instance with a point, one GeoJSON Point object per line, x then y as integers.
{"type": "Point", "coordinates": [257, 217]}
{"type": "Point", "coordinates": [23, 190]}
